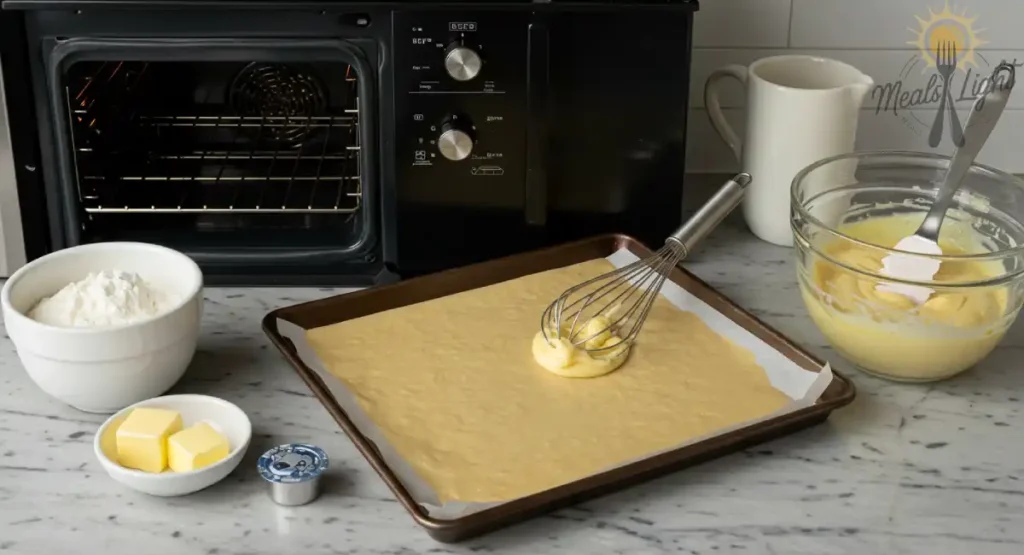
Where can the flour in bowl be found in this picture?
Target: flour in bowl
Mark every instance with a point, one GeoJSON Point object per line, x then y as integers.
{"type": "Point", "coordinates": [106, 298]}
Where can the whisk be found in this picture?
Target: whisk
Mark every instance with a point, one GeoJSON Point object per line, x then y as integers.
{"type": "Point", "coordinates": [619, 301]}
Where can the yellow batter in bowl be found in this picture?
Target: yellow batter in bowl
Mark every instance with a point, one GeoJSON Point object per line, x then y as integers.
{"type": "Point", "coordinates": [889, 334]}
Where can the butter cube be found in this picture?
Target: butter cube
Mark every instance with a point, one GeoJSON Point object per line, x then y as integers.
{"type": "Point", "coordinates": [196, 447]}
{"type": "Point", "coordinates": [142, 438]}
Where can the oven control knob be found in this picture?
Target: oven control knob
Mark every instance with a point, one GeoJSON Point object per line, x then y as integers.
{"type": "Point", "coordinates": [462, 62]}
{"type": "Point", "coordinates": [455, 142]}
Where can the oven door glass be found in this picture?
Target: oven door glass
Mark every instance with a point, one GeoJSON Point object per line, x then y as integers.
{"type": "Point", "coordinates": [229, 159]}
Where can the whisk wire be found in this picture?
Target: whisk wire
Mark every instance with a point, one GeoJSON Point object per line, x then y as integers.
{"type": "Point", "coordinates": [660, 266]}
{"type": "Point", "coordinates": [633, 289]}
{"type": "Point", "coordinates": [621, 300]}
{"type": "Point", "coordinates": [613, 305]}
{"type": "Point", "coordinates": [561, 306]}
{"type": "Point", "coordinates": [669, 262]}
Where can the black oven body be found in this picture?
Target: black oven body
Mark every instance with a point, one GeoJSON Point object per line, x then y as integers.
{"type": "Point", "coordinates": [354, 143]}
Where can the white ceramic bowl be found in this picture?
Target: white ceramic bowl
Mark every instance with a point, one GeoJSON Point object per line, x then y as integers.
{"type": "Point", "coordinates": [105, 369]}
{"type": "Point", "coordinates": [225, 417]}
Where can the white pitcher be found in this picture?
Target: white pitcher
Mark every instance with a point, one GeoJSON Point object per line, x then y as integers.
{"type": "Point", "coordinates": [800, 109]}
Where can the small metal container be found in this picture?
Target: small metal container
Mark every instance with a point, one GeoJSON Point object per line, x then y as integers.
{"type": "Point", "coordinates": [293, 471]}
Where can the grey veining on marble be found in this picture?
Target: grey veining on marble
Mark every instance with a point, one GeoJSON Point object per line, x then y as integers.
{"type": "Point", "coordinates": [933, 469]}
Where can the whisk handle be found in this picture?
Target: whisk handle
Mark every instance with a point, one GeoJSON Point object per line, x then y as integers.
{"type": "Point", "coordinates": [712, 213]}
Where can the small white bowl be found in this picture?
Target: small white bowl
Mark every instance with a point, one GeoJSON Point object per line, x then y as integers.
{"type": "Point", "coordinates": [225, 417]}
{"type": "Point", "coordinates": [105, 369]}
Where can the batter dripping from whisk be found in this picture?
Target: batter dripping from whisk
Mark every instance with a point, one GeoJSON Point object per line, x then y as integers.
{"type": "Point", "coordinates": [589, 329]}
{"type": "Point", "coordinates": [561, 357]}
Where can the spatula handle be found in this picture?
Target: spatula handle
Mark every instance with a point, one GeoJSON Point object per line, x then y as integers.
{"type": "Point", "coordinates": [980, 122]}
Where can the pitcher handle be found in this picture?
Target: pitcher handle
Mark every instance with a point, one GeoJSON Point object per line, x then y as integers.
{"type": "Point", "coordinates": [714, 105]}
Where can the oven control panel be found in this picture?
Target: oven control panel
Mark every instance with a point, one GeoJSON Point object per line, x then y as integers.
{"type": "Point", "coordinates": [460, 107]}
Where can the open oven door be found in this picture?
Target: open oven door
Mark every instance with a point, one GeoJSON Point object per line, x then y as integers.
{"type": "Point", "coordinates": [23, 230]}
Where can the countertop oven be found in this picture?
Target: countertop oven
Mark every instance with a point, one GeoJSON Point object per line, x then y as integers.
{"type": "Point", "coordinates": [352, 143]}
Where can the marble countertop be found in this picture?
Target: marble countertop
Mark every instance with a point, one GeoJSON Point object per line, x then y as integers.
{"type": "Point", "coordinates": [905, 469]}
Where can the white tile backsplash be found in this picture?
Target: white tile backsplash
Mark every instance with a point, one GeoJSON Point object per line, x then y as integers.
{"type": "Point", "coordinates": [873, 35]}
{"type": "Point", "coordinates": [706, 152]}
{"type": "Point", "coordinates": [883, 66]}
{"type": "Point", "coordinates": [888, 23]}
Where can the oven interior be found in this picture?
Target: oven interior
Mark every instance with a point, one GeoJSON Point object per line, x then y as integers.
{"type": "Point", "coordinates": [216, 155]}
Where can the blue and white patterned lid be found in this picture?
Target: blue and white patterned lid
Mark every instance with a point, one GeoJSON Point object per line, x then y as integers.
{"type": "Point", "coordinates": [292, 462]}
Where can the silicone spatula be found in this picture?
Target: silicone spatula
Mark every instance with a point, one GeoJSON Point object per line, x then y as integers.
{"type": "Point", "coordinates": [980, 123]}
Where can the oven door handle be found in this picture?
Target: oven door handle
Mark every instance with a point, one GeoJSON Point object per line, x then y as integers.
{"type": "Point", "coordinates": [535, 198]}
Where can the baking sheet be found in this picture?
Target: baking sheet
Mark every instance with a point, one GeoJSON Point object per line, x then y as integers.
{"type": "Point", "coordinates": [802, 386]}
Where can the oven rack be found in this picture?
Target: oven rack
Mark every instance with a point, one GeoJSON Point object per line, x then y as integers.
{"type": "Point", "coordinates": [244, 174]}
{"type": "Point", "coordinates": [246, 122]}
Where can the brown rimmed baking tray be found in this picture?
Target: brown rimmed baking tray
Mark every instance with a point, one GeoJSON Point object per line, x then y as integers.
{"type": "Point", "coordinates": [336, 309]}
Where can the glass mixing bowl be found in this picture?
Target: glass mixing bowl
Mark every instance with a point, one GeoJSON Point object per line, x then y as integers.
{"type": "Point", "coordinates": [848, 212]}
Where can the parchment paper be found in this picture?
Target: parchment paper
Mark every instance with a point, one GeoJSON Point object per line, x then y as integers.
{"type": "Point", "coordinates": [802, 386]}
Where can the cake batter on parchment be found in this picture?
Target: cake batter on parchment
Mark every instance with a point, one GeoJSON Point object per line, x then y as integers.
{"type": "Point", "coordinates": [453, 386]}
